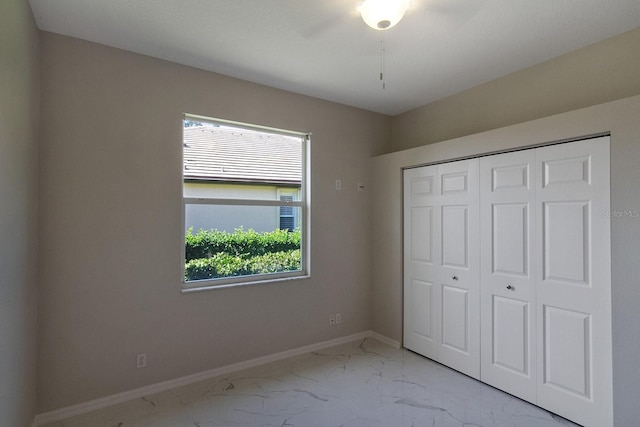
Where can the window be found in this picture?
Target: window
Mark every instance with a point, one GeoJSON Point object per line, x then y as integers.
{"type": "Point", "coordinates": [288, 219]}
{"type": "Point", "coordinates": [245, 203]}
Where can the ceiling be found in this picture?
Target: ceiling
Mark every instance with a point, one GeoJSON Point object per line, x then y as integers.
{"type": "Point", "coordinates": [322, 48]}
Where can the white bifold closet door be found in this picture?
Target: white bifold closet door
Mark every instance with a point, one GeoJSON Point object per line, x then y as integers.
{"type": "Point", "coordinates": [573, 238]}
{"type": "Point", "coordinates": [507, 273]}
{"type": "Point", "coordinates": [441, 282]}
{"type": "Point", "coordinates": [545, 278]}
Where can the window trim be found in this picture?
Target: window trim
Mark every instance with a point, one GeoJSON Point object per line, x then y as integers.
{"type": "Point", "coordinates": [248, 126]}
{"type": "Point", "coordinates": [305, 215]}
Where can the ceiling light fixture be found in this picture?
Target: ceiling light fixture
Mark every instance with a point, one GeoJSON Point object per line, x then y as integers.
{"type": "Point", "coordinates": [383, 14]}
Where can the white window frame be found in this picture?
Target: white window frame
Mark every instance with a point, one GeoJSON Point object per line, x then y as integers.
{"type": "Point", "coordinates": [304, 219]}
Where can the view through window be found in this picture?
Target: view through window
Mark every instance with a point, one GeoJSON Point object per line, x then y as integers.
{"type": "Point", "coordinates": [244, 198]}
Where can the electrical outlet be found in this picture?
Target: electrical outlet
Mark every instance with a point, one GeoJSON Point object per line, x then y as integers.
{"type": "Point", "coordinates": [338, 318]}
{"type": "Point", "coordinates": [338, 184]}
{"type": "Point", "coordinates": [141, 360]}
{"type": "Point", "coordinates": [332, 320]}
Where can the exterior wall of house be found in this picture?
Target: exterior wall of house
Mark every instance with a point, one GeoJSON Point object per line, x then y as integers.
{"type": "Point", "coordinates": [230, 191]}
{"type": "Point", "coordinates": [111, 232]}
{"type": "Point", "coordinates": [228, 218]}
{"type": "Point", "coordinates": [19, 77]}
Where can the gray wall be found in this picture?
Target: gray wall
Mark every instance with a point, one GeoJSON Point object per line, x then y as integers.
{"type": "Point", "coordinates": [18, 219]}
{"type": "Point", "coordinates": [618, 117]}
{"type": "Point", "coordinates": [595, 74]}
{"type": "Point", "coordinates": [111, 227]}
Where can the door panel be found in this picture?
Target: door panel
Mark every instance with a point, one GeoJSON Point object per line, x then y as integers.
{"type": "Point", "coordinates": [566, 170]}
{"type": "Point", "coordinates": [421, 261]}
{"type": "Point", "coordinates": [455, 319]}
{"type": "Point", "coordinates": [422, 321]}
{"type": "Point", "coordinates": [566, 241]}
{"type": "Point", "coordinates": [459, 268]}
{"type": "Point", "coordinates": [455, 183]}
{"type": "Point", "coordinates": [567, 351]}
{"type": "Point", "coordinates": [421, 241]}
{"type": "Point", "coordinates": [507, 200]}
{"type": "Point", "coordinates": [510, 238]}
{"type": "Point", "coordinates": [574, 293]}
{"type": "Point", "coordinates": [455, 236]}
{"type": "Point", "coordinates": [510, 177]}
{"type": "Point", "coordinates": [421, 185]}
{"type": "Point", "coordinates": [511, 334]}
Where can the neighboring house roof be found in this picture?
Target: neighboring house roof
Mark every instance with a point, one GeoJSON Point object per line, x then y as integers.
{"type": "Point", "coordinates": [216, 153]}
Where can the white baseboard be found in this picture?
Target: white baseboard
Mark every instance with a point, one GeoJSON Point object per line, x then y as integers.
{"type": "Point", "coordinates": [83, 408]}
{"type": "Point", "coordinates": [385, 340]}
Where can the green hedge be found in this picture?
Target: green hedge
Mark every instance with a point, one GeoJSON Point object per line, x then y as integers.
{"type": "Point", "coordinates": [207, 243]}
{"type": "Point", "coordinates": [211, 254]}
{"type": "Point", "coordinates": [226, 265]}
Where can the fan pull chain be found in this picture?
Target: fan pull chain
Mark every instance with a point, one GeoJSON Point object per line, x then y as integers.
{"type": "Point", "coordinates": [382, 60]}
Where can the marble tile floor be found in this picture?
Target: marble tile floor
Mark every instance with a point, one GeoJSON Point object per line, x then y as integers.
{"type": "Point", "coordinates": [360, 384]}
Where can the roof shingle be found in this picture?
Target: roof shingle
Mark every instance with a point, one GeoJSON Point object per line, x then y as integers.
{"type": "Point", "coordinates": [223, 154]}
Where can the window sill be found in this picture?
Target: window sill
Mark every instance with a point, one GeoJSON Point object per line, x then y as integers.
{"type": "Point", "coordinates": [212, 287]}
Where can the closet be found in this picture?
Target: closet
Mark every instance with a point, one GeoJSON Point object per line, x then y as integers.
{"type": "Point", "coordinates": [507, 273]}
